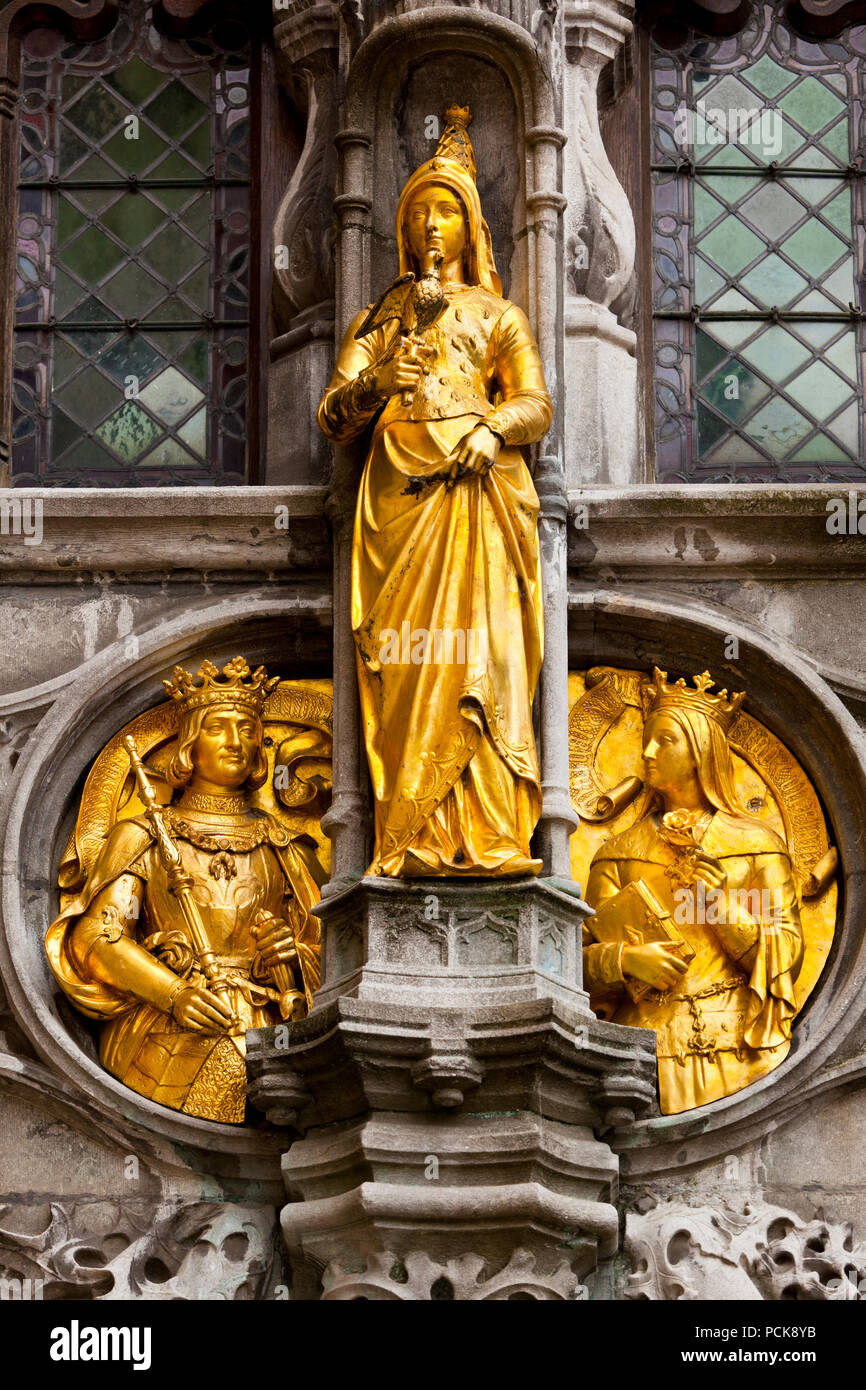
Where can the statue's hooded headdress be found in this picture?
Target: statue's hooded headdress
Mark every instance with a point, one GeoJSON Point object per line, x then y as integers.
{"type": "Point", "coordinates": [453, 165]}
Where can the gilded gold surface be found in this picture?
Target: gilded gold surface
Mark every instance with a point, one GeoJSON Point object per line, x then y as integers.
{"type": "Point", "coordinates": [186, 922]}
{"type": "Point", "coordinates": [446, 585]}
{"type": "Point", "coordinates": [725, 1020]}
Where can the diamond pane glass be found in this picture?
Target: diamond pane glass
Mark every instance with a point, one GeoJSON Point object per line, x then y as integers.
{"type": "Point", "coordinates": [132, 309]}
{"type": "Point", "coordinates": [758, 256]}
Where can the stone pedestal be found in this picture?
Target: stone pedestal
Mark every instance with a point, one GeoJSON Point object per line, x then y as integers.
{"type": "Point", "coordinates": [298, 375]}
{"type": "Point", "coordinates": [446, 1091]}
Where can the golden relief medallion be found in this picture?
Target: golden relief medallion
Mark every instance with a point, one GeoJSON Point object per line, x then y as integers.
{"type": "Point", "coordinates": [188, 884]}
{"type": "Point", "coordinates": [704, 850]}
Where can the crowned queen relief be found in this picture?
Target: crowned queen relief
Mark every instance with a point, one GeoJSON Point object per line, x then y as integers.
{"type": "Point", "coordinates": [705, 855]}
{"type": "Point", "coordinates": [189, 882]}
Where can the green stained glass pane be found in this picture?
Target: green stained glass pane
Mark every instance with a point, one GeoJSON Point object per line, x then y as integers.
{"type": "Point", "coordinates": [93, 200]}
{"type": "Point", "coordinates": [820, 450]}
{"type": "Point", "coordinates": [735, 450]}
{"type": "Point", "coordinates": [778, 427]}
{"type": "Point", "coordinates": [170, 342]}
{"type": "Point", "coordinates": [97, 168]}
{"type": "Point", "coordinates": [838, 213]}
{"type": "Point", "coordinates": [72, 149]}
{"type": "Point", "coordinates": [732, 302]}
{"type": "Point", "coordinates": [731, 187]}
{"type": "Point", "coordinates": [92, 255]}
{"type": "Point", "coordinates": [66, 361]}
{"type": "Point", "coordinates": [710, 353]}
{"type": "Point", "coordinates": [135, 156]}
{"type": "Point", "coordinates": [172, 254]}
{"type": "Point", "coordinates": [135, 81]}
{"type": "Point", "coordinates": [86, 457]}
{"type": "Point", "coordinates": [200, 82]}
{"type": "Point", "coordinates": [97, 112]}
{"type": "Point", "coordinates": [815, 248]}
{"type": "Point", "coordinates": [773, 211]}
{"type": "Point", "coordinates": [194, 360]}
{"type": "Point", "coordinates": [196, 287]}
{"type": "Point", "coordinates": [69, 220]}
{"type": "Point", "coordinates": [171, 310]}
{"type": "Point", "coordinates": [774, 282]}
{"type": "Point", "coordinates": [707, 209]}
{"type": "Point", "coordinates": [817, 333]}
{"type": "Point", "coordinates": [733, 332]}
{"type": "Point", "coordinates": [132, 293]}
{"type": "Point", "coordinates": [169, 454]}
{"type": "Point", "coordinates": [710, 428]}
{"type": "Point", "coordinates": [133, 218]}
{"type": "Point", "coordinates": [194, 432]}
{"type": "Point", "coordinates": [768, 78]}
{"type": "Point", "coordinates": [175, 110]}
{"type": "Point", "coordinates": [89, 340]}
{"type": "Point", "coordinates": [846, 428]}
{"type": "Point", "coordinates": [174, 167]}
{"type": "Point", "coordinates": [71, 86]}
{"type": "Point", "coordinates": [843, 354]}
{"type": "Point", "coordinates": [731, 246]}
{"type": "Point", "coordinates": [787, 142]}
{"type": "Point", "coordinates": [724, 156]}
{"type": "Point", "coordinates": [196, 219]}
{"type": "Point", "coordinates": [708, 282]}
{"type": "Point", "coordinates": [812, 158]}
{"type": "Point", "coordinates": [64, 432]}
{"type": "Point", "coordinates": [131, 355]}
{"type": "Point", "coordinates": [198, 144]}
{"type": "Point", "coordinates": [813, 192]}
{"type": "Point", "coordinates": [89, 397]}
{"type": "Point", "coordinates": [811, 104]}
{"type": "Point", "coordinates": [820, 390]}
{"type": "Point", "coordinates": [836, 141]}
{"type": "Point", "coordinates": [735, 391]}
{"type": "Point", "coordinates": [172, 199]}
{"type": "Point", "coordinates": [171, 396]}
{"type": "Point", "coordinates": [841, 283]}
{"type": "Point", "coordinates": [776, 353]}
{"type": "Point", "coordinates": [129, 432]}
{"type": "Point", "coordinates": [67, 294]}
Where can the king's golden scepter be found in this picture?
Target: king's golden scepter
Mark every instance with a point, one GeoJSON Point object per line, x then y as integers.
{"type": "Point", "coordinates": [180, 884]}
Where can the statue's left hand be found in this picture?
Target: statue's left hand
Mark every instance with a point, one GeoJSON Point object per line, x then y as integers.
{"type": "Point", "coordinates": [476, 453]}
{"type": "Point", "coordinates": [275, 941]}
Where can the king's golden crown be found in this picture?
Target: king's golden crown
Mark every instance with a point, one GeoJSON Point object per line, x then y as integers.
{"type": "Point", "coordinates": [232, 689]}
{"type": "Point", "coordinates": [679, 695]}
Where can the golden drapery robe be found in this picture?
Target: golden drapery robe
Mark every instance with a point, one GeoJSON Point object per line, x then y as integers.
{"type": "Point", "coordinates": [446, 591]}
{"type": "Point", "coordinates": [727, 1021]}
{"type": "Point", "coordinates": [240, 866]}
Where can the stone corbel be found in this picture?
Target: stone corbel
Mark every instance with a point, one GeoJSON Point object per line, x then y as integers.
{"type": "Point", "coordinates": [307, 54]}
{"type": "Point", "coordinates": [90, 20]}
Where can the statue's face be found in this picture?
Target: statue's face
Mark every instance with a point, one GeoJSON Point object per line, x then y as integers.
{"type": "Point", "coordinates": [227, 747]}
{"type": "Point", "coordinates": [668, 760]}
{"type": "Point", "coordinates": [436, 222]}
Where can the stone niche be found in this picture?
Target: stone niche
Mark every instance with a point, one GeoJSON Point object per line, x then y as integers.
{"type": "Point", "coordinates": [407, 134]}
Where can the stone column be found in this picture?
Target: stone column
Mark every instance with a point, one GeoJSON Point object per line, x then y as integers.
{"type": "Point", "coordinates": [601, 409]}
{"type": "Point", "coordinates": [303, 280]}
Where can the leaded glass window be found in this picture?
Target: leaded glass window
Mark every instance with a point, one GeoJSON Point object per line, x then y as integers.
{"type": "Point", "coordinates": [758, 143]}
{"type": "Point", "coordinates": [131, 319]}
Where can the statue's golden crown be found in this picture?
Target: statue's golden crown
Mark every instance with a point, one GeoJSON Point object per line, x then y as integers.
{"type": "Point", "coordinates": [664, 695]}
{"type": "Point", "coordinates": [232, 689]}
{"type": "Point", "coordinates": [454, 146]}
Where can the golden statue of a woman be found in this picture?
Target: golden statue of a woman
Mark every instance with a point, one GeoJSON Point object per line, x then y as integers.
{"type": "Point", "coordinates": [173, 1008]}
{"type": "Point", "coordinates": [715, 977]}
{"type": "Point", "coordinates": [446, 586]}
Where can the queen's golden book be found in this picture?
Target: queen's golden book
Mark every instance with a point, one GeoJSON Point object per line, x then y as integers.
{"type": "Point", "coordinates": [635, 916]}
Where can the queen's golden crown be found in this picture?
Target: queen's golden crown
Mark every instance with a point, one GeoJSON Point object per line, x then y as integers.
{"type": "Point", "coordinates": [667, 696]}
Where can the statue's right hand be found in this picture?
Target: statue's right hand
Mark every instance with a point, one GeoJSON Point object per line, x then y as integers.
{"type": "Point", "coordinates": [401, 371]}
{"type": "Point", "coordinates": [655, 963]}
{"type": "Point", "coordinates": [202, 1012]}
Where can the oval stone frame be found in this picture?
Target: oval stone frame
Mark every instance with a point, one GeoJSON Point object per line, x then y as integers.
{"type": "Point", "coordinates": [105, 694]}
{"type": "Point", "coordinates": [786, 694]}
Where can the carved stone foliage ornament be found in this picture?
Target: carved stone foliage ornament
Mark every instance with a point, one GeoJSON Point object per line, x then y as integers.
{"type": "Point", "coordinates": [704, 851]}
{"type": "Point", "coordinates": [188, 885]}
{"type": "Point", "coordinates": [761, 1252]}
